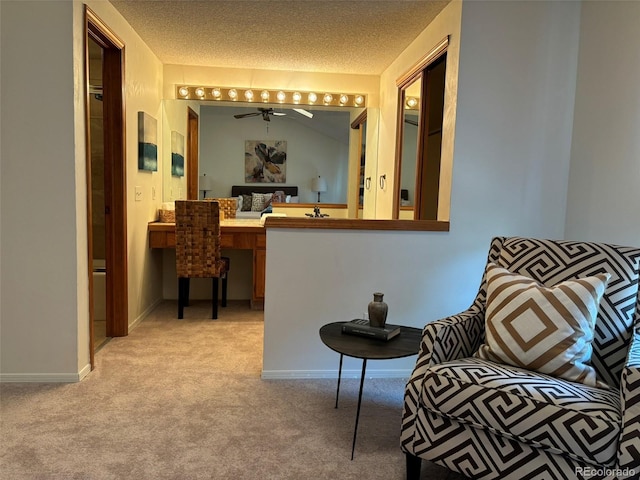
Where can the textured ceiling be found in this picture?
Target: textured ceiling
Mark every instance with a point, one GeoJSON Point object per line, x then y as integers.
{"type": "Point", "coordinates": [335, 36]}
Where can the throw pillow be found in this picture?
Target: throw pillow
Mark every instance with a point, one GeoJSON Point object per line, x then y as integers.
{"type": "Point", "coordinates": [545, 329]}
{"type": "Point", "coordinates": [257, 203]}
{"type": "Point", "coordinates": [278, 197]}
{"type": "Point", "coordinates": [268, 198]}
{"type": "Point", "coordinates": [239, 203]}
{"type": "Point", "coordinates": [246, 203]}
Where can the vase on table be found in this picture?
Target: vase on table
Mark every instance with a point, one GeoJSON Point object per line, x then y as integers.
{"type": "Point", "coordinates": [378, 311]}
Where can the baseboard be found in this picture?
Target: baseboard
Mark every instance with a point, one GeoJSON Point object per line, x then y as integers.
{"type": "Point", "coordinates": [147, 311]}
{"type": "Point", "coordinates": [43, 377]}
{"type": "Point", "coordinates": [351, 373]}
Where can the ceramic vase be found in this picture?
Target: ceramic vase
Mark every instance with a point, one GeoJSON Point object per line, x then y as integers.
{"type": "Point", "coordinates": [378, 311]}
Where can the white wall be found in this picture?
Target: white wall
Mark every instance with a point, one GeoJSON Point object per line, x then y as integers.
{"type": "Point", "coordinates": [44, 279]}
{"type": "Point", "coordinates": [604, 193]}
{"type": "Point", "coordinates": [512, 151]}
{"type": "Point", "coordinates": [309, 152]}
{"type": "Point", "coordinates": [41, 303]}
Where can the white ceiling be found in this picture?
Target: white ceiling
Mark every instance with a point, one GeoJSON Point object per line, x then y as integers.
{"type": "Point", "coordinates": [334, 36]}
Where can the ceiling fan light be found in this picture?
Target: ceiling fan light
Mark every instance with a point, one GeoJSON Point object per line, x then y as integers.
{"type": "Point", "coordinates": [183, 91]}
{"type": "Point", "coordinates": [264, 95]}
{"type": "Point", "coordinates": [313, 98]}
{"type": "Point", "coordinates": [412, 102]}
{"type": "Point", "coordinates": [328, 98]}
{"type": "Point", "coordinates": [304, 112]}
{"type": "Point", "coordinates": [233, 94]}
{"type": "Point", "coordinates": [216, 93]}
{"type": "Point", "coordinates": [358, 99]}
{"type": "Point", "coordinates": [281, 96]}
{"type": "Point", "coordinates": [248, 94]}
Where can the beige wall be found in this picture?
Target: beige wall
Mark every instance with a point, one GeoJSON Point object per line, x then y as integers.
{"type": "Point", "coordinates": [447, 23]}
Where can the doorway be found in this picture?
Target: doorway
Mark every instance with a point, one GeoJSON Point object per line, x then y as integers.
{"type": "Point", "coordinates": [106, 182]}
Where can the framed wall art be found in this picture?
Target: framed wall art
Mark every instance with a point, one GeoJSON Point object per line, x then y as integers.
{"type": "Point", "coordinates": [147, 142]}
{"type": "Point", "coordinates": [177, 154]}
{"type": "Point", "coordinates": [265, 161]}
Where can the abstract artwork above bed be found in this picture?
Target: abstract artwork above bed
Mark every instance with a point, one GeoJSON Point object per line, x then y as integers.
{"type": "Point", "coordinates": [265, 161]}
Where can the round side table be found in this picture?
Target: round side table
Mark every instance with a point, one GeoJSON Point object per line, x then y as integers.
{"type": "Point", "coordinates": [407, 343]}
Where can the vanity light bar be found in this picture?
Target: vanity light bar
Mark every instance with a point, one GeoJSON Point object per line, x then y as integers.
{"type": "Point", "coordinates": [288, 97]}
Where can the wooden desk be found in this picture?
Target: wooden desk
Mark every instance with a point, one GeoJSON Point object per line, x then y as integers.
{"type": "Point", "coordinates": [235, 234]}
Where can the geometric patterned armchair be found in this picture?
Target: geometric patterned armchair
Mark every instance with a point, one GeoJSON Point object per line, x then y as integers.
{"type": "Point", "coordinates": [489, 420]}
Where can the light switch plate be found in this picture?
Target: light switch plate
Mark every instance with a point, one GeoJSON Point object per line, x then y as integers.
{"type": "Point", "coordinates": [153, 193]}
{"type": "Point", "coordinates": [138, 193]}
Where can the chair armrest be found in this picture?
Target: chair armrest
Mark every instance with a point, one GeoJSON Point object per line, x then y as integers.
{"type": "Point", "coordinates": [449, 338]}
{"type": "Point", "coordinates": [629, 446]}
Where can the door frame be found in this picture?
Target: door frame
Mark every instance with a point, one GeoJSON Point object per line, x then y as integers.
{"type": "Point", "coordinates": [193, 122]}
{"type": "Point", "coordinates": [117, 298]}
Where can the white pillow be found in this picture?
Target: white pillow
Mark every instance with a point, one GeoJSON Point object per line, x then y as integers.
{"type": "Point", "coordinates": [294, 199]}
{"type": "Point", "coordinates": [239, 203]}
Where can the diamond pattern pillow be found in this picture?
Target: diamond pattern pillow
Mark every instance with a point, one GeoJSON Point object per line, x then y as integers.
{"type": "Point", "coordinates": [544, 329]}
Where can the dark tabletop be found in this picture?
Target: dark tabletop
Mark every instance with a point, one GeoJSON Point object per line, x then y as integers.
{"type": "Point", "coordinates": [403, 345]}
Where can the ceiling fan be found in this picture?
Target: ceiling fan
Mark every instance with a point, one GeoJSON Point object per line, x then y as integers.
{"type": "Point", "coordinates": [265, 112]}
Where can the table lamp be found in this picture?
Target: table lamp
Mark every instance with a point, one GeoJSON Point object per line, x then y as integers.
{"type": "Point", "coordinates": [319, 185]}
{"type": "Point", "coordinates": [206, 184]}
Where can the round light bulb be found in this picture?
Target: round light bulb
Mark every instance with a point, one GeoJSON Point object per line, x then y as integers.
{"type": "Point", "coordinates": [184, 91]}
{"type": "Point", "coordinates": [281, 96]}
{"type": "Point", "coordinates": [344, 99]}
{"type": "Point", "coordinates": [359, 99]}
{"type": "Point", "coordinates": [312, 97]}
{"type": "Point", "coordinates": [264, 95]}
{"type": "Point", "coordinates": [233, 94]}
{"type": "Point", "coordinates": [248, 94]}
{"type": "Point", "coordinates": [297, 96]}
{"type": "Point", "coordinates": [328, 98]}
{"type": "Point", "coordinates": [412, 102]}
{"type": "Point", "coordinates": [216, 93]}
{"type": "Point", "coordinates": [200, 92]}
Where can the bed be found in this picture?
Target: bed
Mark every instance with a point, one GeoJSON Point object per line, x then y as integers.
{"type": "Point", "coordinates": [239, 190]}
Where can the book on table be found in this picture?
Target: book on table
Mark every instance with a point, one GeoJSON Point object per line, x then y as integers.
{"type": "Point", "coordinates": [362, 328]}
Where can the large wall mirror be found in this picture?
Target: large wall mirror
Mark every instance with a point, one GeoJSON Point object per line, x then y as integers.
{"type": "Point", "coordinates": [421, 94]}
{"type": "Point", "coordinates": [317, 145]}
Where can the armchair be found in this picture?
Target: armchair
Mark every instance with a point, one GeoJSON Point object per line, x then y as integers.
{"type": "Point", "coordinates": [489, 420]}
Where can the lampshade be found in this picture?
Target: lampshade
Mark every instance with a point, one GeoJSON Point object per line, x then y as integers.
{"type": "Point", "coordinates": [318, 184]}
{"type": "Point", "coordinates": [206, 183]}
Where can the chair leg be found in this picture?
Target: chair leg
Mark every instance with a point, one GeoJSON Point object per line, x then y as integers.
{"type": "Point", "coordinates": [214, 294]}
{"type": "Point", "coordinates": [413, 466]}
{"type": "Point", "coordinates": [183, 295]}
{"type": "Point", "coordinates": [224, 290]}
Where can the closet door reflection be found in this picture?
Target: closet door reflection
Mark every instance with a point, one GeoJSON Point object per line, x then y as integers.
{"type": "Point", "coordinates": [421, 93]}
{"type": "Point", "coordinates": [408, 147]}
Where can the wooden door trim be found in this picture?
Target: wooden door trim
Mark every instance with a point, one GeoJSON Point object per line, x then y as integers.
{"type": "Point", "coordinates": [193, 122]}
{"type": "Point", "coordinates": [117, 302]}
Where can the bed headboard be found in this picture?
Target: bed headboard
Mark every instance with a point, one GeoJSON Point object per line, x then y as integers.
{"type": "Point", "coordinates": [249, 189]}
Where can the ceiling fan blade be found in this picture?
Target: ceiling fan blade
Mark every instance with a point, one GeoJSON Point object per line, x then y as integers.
{"type": "Point", "coordinates": [243, 115]}
{"type": "Point", "coordinates": [278, 114]}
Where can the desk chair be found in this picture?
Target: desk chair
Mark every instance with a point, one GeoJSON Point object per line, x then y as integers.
{"type": "Point", "coordinates": [198, 250]}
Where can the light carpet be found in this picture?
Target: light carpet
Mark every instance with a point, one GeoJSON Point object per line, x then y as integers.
{"type": "Point", "coordinates": [183, 399]}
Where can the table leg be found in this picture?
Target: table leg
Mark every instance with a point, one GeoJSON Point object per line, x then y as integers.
{"type": "Point", "coordinates": [355, 430]}
{"type": "Point", "coordinates": [339, 376]}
